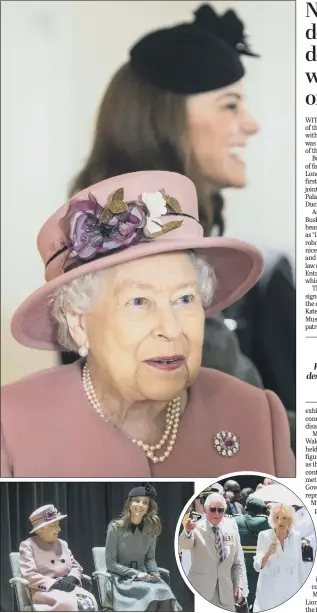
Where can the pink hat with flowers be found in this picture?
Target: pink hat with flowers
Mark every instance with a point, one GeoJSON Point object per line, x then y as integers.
{"type": "Point", "coordinates": [125, 218]}
{"type": "Point", "coordinates": [43, 516]}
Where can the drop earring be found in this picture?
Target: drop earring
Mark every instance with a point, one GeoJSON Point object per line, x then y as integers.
{"type": "Point", "coordinates": [83, 351]}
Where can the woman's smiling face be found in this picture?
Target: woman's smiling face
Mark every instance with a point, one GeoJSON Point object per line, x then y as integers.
{"type": "Point", "coordinates": [139, 507]}
{"type": "Point", "coordinates": [145, 331]}
{"type": "Point", "coordinates": [219, 125]}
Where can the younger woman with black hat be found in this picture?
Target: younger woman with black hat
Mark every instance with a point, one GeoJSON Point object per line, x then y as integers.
{"type": "Point", "coordinates": [130, 556]}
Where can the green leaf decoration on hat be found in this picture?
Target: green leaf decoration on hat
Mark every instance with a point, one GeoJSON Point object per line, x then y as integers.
{"type": "Point", "coordinates": [115, 205]}
{"type": "Point", "coordinates": [171, 225]}
{"type": "Point", "coordinates": [172, 202]}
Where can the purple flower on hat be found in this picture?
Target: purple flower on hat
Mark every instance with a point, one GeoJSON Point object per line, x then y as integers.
{"type": "Point", "coordinates": [89, 235]}
{"type": "Point", "coordinates": [50, 514]}
{"type": "Point", "coordinates": [92, 230]}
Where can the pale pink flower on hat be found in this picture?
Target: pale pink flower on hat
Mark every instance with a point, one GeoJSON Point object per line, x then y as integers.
{"type": "Point", "coordinates": [155, 203]}
{"type": "Point", "coordinates": [156, 206]}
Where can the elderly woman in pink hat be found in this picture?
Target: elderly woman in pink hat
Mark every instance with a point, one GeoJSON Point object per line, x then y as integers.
{"type": "Point", "coordinates": [46, 562]}
{"type": "Point", "coordinates": [129, 280]}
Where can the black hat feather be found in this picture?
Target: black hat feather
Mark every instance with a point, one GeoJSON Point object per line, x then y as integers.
{"type": "Point", "coordinates": [227, 26]}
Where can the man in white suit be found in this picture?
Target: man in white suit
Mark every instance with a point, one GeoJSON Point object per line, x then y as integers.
{"type": "Point", "coordinates": [216, 569]}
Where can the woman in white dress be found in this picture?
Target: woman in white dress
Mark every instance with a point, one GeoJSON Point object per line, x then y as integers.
{"type": "Point", "coordinates": [278, 560]}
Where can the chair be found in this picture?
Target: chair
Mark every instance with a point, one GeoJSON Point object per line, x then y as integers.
{"type": "Point", "coordinates": [22, 589]}
{"type": "Point", "coordinates": [104, 579]}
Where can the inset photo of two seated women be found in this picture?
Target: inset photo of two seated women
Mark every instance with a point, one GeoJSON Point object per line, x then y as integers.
{"type": "Point", "coordinates": [153, 334]}
{"type": "Point", "coordinates": [92, 546]}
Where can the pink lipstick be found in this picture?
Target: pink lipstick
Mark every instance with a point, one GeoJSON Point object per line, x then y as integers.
{"type": "Point", "coordinates": [168, 363]}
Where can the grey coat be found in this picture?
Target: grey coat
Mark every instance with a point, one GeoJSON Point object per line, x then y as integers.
{"type": "Point", "coordinates": [127, 555]}
{"type": "Point", "coordinates": [221, 351]}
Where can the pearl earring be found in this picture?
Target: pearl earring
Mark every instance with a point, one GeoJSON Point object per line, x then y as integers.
{"type": "Point", "coordinates": [83, 351]}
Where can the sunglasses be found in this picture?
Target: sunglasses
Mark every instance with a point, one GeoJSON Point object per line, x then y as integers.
{"type": "Point", "coordinates": [214, 509]}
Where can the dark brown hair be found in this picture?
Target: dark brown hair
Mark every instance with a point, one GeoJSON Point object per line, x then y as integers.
{"type": "Point", "coordinates": [151, 520]}
{"type": "Point", "coordinates": [142, 127]}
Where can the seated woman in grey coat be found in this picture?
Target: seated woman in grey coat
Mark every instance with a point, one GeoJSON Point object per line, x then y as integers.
{"type": "Point", "coordinates": [130, 556]}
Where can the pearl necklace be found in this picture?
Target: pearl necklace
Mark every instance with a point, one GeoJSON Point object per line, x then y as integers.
{"type": "Point", "coordinates": [168, 438]}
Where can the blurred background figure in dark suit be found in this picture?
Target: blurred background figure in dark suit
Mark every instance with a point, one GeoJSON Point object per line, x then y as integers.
{"type": "Point", "coordinates": [307, 551]}
{"type": "Point", "coordinates": [232, 493]}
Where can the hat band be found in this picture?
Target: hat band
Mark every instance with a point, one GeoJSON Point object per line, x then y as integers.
{"type": "Point", "coordinates": [80, 262]}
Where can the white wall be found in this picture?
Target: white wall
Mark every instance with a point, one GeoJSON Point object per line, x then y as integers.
{"type": "Point", "coordinates": [57, 58]}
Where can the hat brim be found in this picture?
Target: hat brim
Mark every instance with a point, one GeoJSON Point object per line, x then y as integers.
{"type": "Point", "coordinates": [237, 267]}
{"type": "Point", "coordinates": [46, 523]}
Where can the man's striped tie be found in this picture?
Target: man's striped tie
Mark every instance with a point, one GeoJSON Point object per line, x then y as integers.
{"type": "Point", "coordinates": [218, 544]}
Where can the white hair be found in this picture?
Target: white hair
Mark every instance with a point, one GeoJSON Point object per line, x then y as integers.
{"type": "Point", "coordinates": [214, 498]}
{"type": "Point", "coordinates": [79, 296]}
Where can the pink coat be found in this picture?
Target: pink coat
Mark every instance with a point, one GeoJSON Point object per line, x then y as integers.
{"type": "Point", "coordinates": [41, 564]}
{"type": "Point", "coordinates": [49, 429]}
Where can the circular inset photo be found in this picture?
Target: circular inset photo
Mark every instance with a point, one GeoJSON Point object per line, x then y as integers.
{"type": "Point", "coordinates": [246, 543]}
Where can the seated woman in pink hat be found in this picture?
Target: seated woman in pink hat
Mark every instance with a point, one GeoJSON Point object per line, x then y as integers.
{"type": "Point", "coordinates": [129, 280]}
{"type": "Point", "coordinates": [46, 562]}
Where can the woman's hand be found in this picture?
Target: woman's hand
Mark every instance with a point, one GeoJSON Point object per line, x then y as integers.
{"type": "Point", "coordinates": [270, 552]}
{"type": "Point", "coordinates": [143, 577]}
{"type": "Point", "coordinates": [155, 577]}
{"type": "Point", "coordinates": [272, 548]}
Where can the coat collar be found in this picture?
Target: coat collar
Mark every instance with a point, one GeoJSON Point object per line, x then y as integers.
{"type": "Point", "coordinates": [132, 527]}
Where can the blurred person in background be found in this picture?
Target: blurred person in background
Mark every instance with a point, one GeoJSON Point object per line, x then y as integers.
{"type": "Point", "coordinates": [268, 481]}
{"type": "Point", "coordinates": [245, 493]}
{"type": "Point", "coordinates": [215, 488]}
{"type": "Point", "coordinates": [179, 105]}
{"type": "Point", "coordinates": [250, 525]}
{"type": "Point", "coordinates": [278, 560]}
{"type": "Point", "coordinates": [308, 556]}
{"type": "Point", "coordinates": [307, 551]}
{"type": "Point", "coordinates": [184, 556]}
{"type": "Point", "coordinates": [232, 493]}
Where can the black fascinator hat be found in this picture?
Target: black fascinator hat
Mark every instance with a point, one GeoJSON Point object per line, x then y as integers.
{"type": "Point", "coordinates": [195, 57]}
{"type": "Point", "coordinates": [143, 490]}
